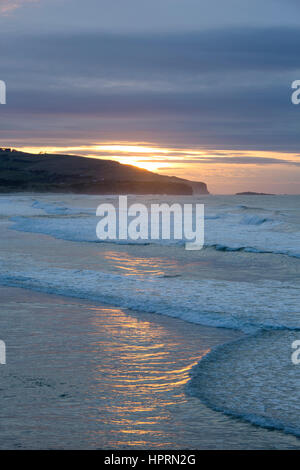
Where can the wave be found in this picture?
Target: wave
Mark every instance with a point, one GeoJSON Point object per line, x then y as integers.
{"type": "Point", "coordinates": [243, 207]}
{"type": "Point", "coordinates": [255, 220]}
{"type": "Point", "coordinates": [82, 228]}
{"type": "Point", "coordinates": [58, 209]}
{"type": "Point", "coordinates": [236, 305]}
{"type": "Point", "coordinates": [10, 207]}
{"type": "Point", "coordinates": [52, 208]}
{"type": "Point", "coordinates": [249, 249]}
{"type": "Point", "coordinates": [263, 387]}
{"type": "Point", "coordinates": [259, 367]}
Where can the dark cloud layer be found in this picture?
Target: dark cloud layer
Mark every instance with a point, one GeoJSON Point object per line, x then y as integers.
{"type": "Point", "coordinates": [256, 49]}
{"type": "Point", "coordinates": [225, 88]}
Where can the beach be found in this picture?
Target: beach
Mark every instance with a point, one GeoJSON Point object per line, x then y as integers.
{"type": "Point", "coordinates": [80, 375]}
{"type": "Point", "coordinates": [135, 346]}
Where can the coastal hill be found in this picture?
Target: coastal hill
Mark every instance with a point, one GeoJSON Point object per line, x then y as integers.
{"type": "Point", "coordinates": [21, 171]}
{"type": "Point", "coordinates": [251, 193]}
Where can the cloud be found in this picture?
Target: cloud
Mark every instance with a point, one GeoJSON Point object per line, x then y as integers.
{"type": "Point", "coordinates": [230, 51]}
{"type": "Point", "coordinates": [243, 160]}
{"type": "Point", "coordinates": [226, 88]}
{"type": "Point", "coordinates": [156, 15]}
{"type": "Point", "coordinates": [7, 6]}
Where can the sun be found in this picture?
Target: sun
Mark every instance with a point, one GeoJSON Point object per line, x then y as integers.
{"type": "Point", "coordinates": [150, 166]}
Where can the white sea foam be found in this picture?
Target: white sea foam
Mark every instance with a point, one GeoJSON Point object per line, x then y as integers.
{"type": "Point", "coordinates": [18, 206]}
{"type": "Point", "coordinates": [240, 305]}
{"type": "Point", "coordinates": [253, 378]}
{"type": "Point", "coordinates": [262, 386]}
{"type": "Point", "coordinates": [231, 232]}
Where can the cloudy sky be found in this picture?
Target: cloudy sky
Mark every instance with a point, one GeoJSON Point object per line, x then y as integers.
{"type": "Point", "coordinates": [193, 88]}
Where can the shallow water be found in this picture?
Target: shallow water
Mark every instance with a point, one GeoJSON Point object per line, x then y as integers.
{"type": "Point", "coordinates": [79, 375]}
{"type": "Point", "coordinates": [264, 382]}
{"type": "Point", "coordinates": [246, 278]}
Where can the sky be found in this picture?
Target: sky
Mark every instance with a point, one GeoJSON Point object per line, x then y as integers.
{"type": "Point", "coordinates": [200, 89]}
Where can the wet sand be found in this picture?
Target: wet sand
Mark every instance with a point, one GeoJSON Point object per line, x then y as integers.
{"type": "Point", "coordinates": [84, 376]}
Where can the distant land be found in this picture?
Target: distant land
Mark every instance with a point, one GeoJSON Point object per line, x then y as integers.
{"type": "Point", "coordinates": [21, 171]}
{"type": "Point", "coordinates": [251, 193]}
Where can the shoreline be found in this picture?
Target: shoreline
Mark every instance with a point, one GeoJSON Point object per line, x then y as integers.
{"type": "Point", "coordinates": [200, 373]}
{"type": "Point", "coordinates": [132, 366]}
{"type": "Point", "coordinates": [119, 376]}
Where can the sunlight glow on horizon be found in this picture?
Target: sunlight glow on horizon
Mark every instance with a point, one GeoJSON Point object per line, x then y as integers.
{"type": "Point", "coordinates": [229, 174]}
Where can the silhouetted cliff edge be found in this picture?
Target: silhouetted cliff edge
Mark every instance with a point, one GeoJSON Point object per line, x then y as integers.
{"type": "Point", "coordinates": [21, 171]}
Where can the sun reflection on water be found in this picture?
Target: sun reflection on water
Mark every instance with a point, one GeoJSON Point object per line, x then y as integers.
{"type": "Point", "coordinates": [139, 376]}
{"type": "Point", "coordinates": [131, 265]}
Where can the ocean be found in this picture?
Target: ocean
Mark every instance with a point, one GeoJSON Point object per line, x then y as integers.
{"type": "Point", "coordinates": [244, 284]}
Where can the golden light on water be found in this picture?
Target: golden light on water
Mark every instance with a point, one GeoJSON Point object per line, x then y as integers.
{"type": "Point", "coordinates": [132, 265]}
{"type": "Point", "coordinates": [143, 369]}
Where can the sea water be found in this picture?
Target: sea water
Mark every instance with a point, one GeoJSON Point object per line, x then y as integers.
{"type": "Point", "coordinates": [246, 278]}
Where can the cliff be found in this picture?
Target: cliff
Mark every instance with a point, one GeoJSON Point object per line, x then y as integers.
{"type": "Point", "coordinates": [21, 171]}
